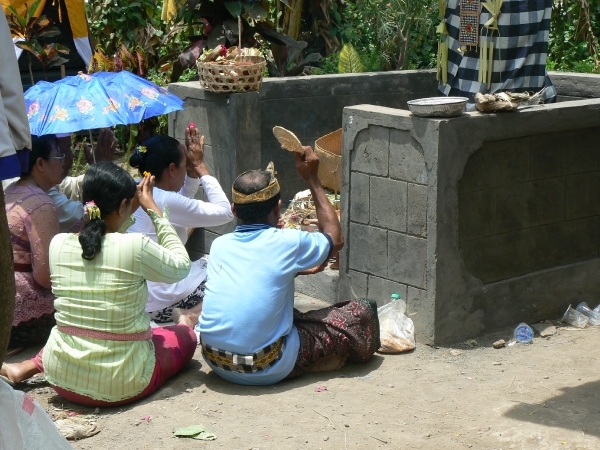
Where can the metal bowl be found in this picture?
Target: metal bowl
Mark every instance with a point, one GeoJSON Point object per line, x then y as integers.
{"type": "Point", "coordinates": [438, 106]}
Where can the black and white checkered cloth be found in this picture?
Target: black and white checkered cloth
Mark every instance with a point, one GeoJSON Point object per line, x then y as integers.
{"type": "Point", "coordinates": [246, 363]}
{"type": "Point", "coordinates": [521, 65]}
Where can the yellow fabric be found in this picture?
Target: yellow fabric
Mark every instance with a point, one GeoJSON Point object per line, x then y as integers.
{"type": "Point", "coordinates": [109, 294]}
{"type": "Point", "coordinates": [75, 9]}
{"type": "Point", "coordinates": [170, 8]}
{"type": "Point", "coordinates": [77, 18]}
{"type": "Point", "coordinates": [19, 5]}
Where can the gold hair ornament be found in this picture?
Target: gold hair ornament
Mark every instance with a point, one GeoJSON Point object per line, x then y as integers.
{"type": "Point", "coordinates": [92, 210]}
{"type": "Point", "coordinates": [260, 196]}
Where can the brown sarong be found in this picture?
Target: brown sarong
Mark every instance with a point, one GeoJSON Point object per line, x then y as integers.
{"type": "Point", "coordinates": [345, 329]}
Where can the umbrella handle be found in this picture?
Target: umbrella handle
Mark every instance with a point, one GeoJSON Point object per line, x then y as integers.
{"type": "Point", "coordinates": [92, 146]}
{"type": "Point", "coordinates": [240, 32]}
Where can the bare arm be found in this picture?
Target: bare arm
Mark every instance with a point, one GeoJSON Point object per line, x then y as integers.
{"type": "Point", "coordinates": [144, 197]}
{"type": "Point", "coordinates": [307, 165]}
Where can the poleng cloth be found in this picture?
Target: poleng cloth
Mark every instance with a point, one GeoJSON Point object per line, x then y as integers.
{"type": "Point", "coordinates": [521, 66]}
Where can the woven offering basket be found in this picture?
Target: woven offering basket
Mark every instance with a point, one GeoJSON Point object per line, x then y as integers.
{"type": "Point", "coordinates": [329, 150]}
{"type": "Point", "coordinates": [242, 76]}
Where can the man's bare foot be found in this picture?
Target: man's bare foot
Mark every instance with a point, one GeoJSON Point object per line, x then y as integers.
{"type": "Point", "coordinates": [19, 371]}
{"type": "Point", "coordinates": [187, 317]}
{"type": "Point", "coordinates": [328, 364]}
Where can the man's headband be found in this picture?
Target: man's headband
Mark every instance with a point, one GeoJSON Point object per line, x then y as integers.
{"type": "Point", "coordinates": [260, 196]}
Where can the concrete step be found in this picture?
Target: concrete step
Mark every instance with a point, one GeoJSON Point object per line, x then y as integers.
{"type": "Point", "coordinates": [322, 286]}
{"type": "Point", "coordinates": [306, 303]}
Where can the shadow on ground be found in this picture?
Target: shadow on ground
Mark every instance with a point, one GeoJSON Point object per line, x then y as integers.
{"type": "Point", "coordinates": [574, 408]}
{"type": "Point", "coordinates": [350, 370]}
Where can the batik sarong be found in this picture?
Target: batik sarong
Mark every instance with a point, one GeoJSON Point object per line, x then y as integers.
{"type": "Point", "coordinates": [345, 329]}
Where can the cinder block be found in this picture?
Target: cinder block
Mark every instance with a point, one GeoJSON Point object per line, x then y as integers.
{"type": "Point", "coordinates": [407, 257]}
{"type": "Point", "coordinates": [359, 197]}
{"type": "Point", "coordinates": [478, 173]}
{"type": "Point", "coordinates": [512, 160]}
{"type": "Point", "coordinates": [476, 214]}
{"type": "Point", "coordinates": [530, 204]}
{"type": "Point", "coordinates": [497, 258]}
{"type": "Point", "coordinates": [367, 248]}
{"type": "Point", "coordinates": [357, 285]}
{"type": "Point", "coordinates": [272, 113]}
{"type": "Point", "coordinates": [583, 195]}
{"type": "Point", "coordinates": [381, 290]}
{"type": "Point", "coordinates": [416, 217]}
{"type": "Point", "coordinates": [416, 300]}
{"type": "Point", "coordinates": [564, 243]}
{"type": "Point", "coordinates": [406, 160]}
{"type": "Point", "coordinates": [581, 151]}
{"type": "Point", "coordinates": [371, 151]}
{"type": "Point", "coordinates": [546, 161]}
{"type": "Point", "coordinates": [387, 205]}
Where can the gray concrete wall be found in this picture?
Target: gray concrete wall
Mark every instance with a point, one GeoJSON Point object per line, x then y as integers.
{"type": "Point", "coordinates": [575, 86]}
{"type": "Point", "coordinates": [238, 127]}
{"type": "Point", "coordinates": [511, 205]}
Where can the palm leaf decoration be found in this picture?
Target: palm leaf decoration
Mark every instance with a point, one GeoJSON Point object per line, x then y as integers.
{"type": "Point", "coordinates": [350, 60]}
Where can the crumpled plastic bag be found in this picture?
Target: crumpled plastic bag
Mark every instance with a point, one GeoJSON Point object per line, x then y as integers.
{"type": "Point", "coordinates": [397, 331]}
{"type": "Point", "coordinates": [24, 424]}
{"type": "Point", "coordinates": [76, 428]}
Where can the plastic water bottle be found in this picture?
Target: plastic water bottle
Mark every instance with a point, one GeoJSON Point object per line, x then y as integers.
{"type": "Point", "coordinates": [584, 309]}
{"type": "Point", "coordinates": [523, 333]}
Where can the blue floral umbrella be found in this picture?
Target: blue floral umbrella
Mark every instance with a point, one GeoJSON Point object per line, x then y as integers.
{"type": "Point", "coordinates": [100, 100]}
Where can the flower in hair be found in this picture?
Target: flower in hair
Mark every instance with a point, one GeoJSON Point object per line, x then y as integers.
{"type": "Point", "coordinates": [92, 210]}
{"type": "Point", "coordinates": [141, 149]}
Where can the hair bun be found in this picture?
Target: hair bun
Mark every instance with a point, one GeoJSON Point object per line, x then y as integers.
{"type": "Point", "coordinates": [135, 160]}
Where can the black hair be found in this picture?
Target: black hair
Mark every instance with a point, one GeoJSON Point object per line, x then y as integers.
{"type": "Point", "coordinates": [249, 183]}
{"type": "Point", "coordinates": [106, 184]}
{"type": "Point", "coordinates": [41, 147]}
{"type": "Point", "coordinates": [160, 152]}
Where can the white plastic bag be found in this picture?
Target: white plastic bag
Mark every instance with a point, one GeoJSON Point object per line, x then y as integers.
{"type": "Point", "coordinates": [24, 425]}
{"type": "Point", "coordinates": [397, 332]}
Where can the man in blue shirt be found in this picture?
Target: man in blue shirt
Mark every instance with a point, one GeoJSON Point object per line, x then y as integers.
{"type": "Point", "coordinates": [250, 332]}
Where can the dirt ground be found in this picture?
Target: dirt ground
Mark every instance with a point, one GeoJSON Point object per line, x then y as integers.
{"type": "Point", "coordinates": [543, 395]}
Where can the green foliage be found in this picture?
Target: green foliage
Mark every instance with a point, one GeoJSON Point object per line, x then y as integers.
{"type": "Point", "coordinates": [389, 34]}
{"type": "Point", "coordinates": [31, 29]}
{"type": "Point", "coordinates": [349, 60]}
{"type": "Point", "coordinates": [137, 25]}
{"type": "Point", "coordinates": [572, 46]}
{"type": "Point", "coordinates": [79, 164]}
{"type": "Point", "coordinates": [48, 54]}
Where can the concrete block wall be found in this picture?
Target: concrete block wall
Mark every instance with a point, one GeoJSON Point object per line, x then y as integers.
{"type": "Point", "coordinates": [530, 203]}
{"type": "Point", "coordinates": [387, 180]}
{"type": "Point", "coordinates": [480, 221]}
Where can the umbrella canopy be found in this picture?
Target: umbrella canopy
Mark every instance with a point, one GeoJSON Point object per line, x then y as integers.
{"type": "Point", "coordinates": [100, 100]}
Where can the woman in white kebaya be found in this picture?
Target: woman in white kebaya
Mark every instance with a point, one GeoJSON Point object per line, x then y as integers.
{"type": "Point", "coordinates": [179, 171]}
